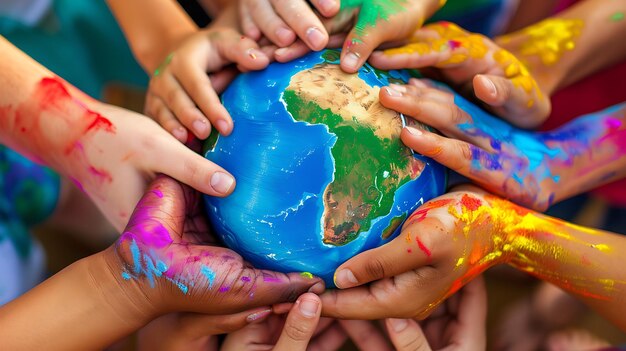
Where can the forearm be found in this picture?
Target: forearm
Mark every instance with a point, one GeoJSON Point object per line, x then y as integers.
{"type": "Point", "coordinates": [591, 151]}
{"type": "Point", "coordinates": [80, 308]}
{"type": "Point", "coordinates": [583, 261]}
{"type": "Point", "coordinates": [44, 117]}
{"type": "Point", "coordinates": [565, 48]}
{"type": "Point", "coordinates": [153, 28]}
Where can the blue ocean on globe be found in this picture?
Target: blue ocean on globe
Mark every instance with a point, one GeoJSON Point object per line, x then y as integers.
{"type": "Point", "coordinates": [321, 173]}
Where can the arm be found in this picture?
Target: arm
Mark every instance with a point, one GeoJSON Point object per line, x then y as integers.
{"type": "Point", "coordinates": [81, 307]}
{"type": "Point", "coordinates": [450, 240]}
{"type": "Point", "coordinates": [531, 168]}
{"type": "Point", "coordinates": [109, 152]}
{"type": "Point", "coordinates": [565, 48]}
{"type": "Point", "coordinates": [163, 263]}
{"type": "Point", "coordinates": [153, 28]}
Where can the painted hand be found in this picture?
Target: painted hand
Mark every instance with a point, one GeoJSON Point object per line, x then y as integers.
{"type": "Point", "coordinates": [301, 329]}
{"type": "Point", "coordinates": [531, 168]}
{"type": "Point", "coordinates": [166, 254]}
{"type": "Point", "coordinates": [181, 96]}
{"type": "Point", "coordinates": [368, 24]}
{"type": "Point", "coordinates": [477, 65]}
{"type": "Point", "coordinates": [443, 245]}
{"type": "Point", "coordinates": [283, 21]}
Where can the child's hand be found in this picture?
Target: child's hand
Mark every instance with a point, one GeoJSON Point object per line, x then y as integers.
{"type": "Point", "coordinates": [476, 64]}
{"type": "Point", "coordinates": [457, 325]}
{"type": "Point", "coordinates": [301, 329]}
{"type": "Point", "coordinates": [443, 245]}
{"type": "Point", "coordinates": [282, 21]}
{"type": "Point", "coordinates": [520, 165]}
{"type": "Point", "coordinates": [182, 96]}
{"type": "Point", "coordinates": [166, 257]}
{"type": "Point", "coordinates": [368, 24]}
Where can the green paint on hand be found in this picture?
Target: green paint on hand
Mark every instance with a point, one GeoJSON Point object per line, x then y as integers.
{"type": "Point", "coordinates": [163, 64]}
{"type": "Point", "coordinates": [371, 12]}
{"type": "Point", "coordinates": [306, 275]}
{"type": "Point", "coordinates": [617, 16]}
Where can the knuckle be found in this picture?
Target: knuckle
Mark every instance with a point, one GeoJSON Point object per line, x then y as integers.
{"type": "Point", "coordinates": [375, 269]}
{"type": "Point", "coordinates": [298, 329]}
{"type": "Point", "coordinates": [464, 151]}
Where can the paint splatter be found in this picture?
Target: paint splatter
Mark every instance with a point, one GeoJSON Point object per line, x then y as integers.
{"type": "Point", "coordinates": [617, 17]}
{"type": "Point", "coordinates": [371, 12]}
{"type": "Point", "coordinates": [423, 247]}
{"type": "Point", "coordinates": [307, 275]}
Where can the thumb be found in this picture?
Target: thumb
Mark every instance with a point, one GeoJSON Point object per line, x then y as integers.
{"type": "Point", "coordinates": [406, 252]}
{"type": "Point", "coordinates": [163, 205]}
{"type": "Point", "coordinates": [358, 46]}
{"type": "Point", "coordinates": [300, 324]}
{"type": "Point", "coordinates": [406, 334]}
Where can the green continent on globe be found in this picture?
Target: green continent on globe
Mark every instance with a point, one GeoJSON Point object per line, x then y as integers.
{"type": "Point", "coordinates": [371, 163]}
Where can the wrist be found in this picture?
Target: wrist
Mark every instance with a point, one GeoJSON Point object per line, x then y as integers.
{"type": "Point", "coordinates": [126, 298]}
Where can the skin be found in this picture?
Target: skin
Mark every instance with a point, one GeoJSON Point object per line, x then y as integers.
{"type": "Point", "coordinates": [473, 63]}
{"type": "Point", "coordinates": [450, 240]}
{"type": "Point", "coordinates": [103, 304]}
{"type": "Point", "coordinates": [534, 169]}
{"type": "Point", "coordinates": [362, 25]}
{"type": "Point", "coordinates": [547, 56]}
{"type": "Point", "coordinates": [53, 123]}
{"type": "Point", "coordinates": [282, 22]}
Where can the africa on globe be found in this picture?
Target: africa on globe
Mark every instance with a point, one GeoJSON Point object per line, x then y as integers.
{"type": "Point", "coordinates": [321, 172]}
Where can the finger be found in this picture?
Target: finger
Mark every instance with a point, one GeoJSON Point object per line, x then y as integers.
{"type": "Point", "coordinates": [197, 325]}
{"type": "Point", "coordinates": [331, 339]}
{"type": "Point", "coordinates": [407, 335]}
{"type": "Point", "coordinates": [405, 253]}
{"type": "Point", "coordinates": [300, 17]}
{"type": "Point", "coordinates": [248, 26]}
{"type": "Point", "coordinates": [300, 324]}
{"type": "Point", "coordinates": [168, 88]}
{"type": "Point", "coordinates": [327, 8]}
{"type": "Point", "coordinates": [156, 108]}
{"type": "Point", "coordinates": [291, 52]}
{"type": "Point", "coordinates": [469, 160]}
{"type": "Point", "coordinates": [179, 162]}
{"type": "Point", "coordinates": [472, 316]}
{"type": "Point", "coordinates": [223, 78]}
{"type": "Point", "coordinates": [356, 50]}
{"type": "Point", "coordinates": [365, 335]}
{"type": "Point", "coordinates": [518, 99]}
{"type": "Point", "coordinates": [270, 24]}
{"type": "Point", "coordinates": [354, 303]}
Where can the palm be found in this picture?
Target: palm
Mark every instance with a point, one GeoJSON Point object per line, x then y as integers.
{"type": "Point", "coordinates": [167, 244]}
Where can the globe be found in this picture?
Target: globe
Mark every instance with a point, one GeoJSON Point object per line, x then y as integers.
{"type": "Point", "coordinates": [321, 172]}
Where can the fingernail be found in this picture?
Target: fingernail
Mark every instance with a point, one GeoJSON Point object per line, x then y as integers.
{"type": "Point", "coordinates": [221, 182]}
{"type": "Point", "coordinates": [180, 133]}
{"type": "Point", "coordinates": [222, 126]}
{"type": "Point", "coordinates": [392, 92]}
{"type": "Point", "coordinates": [280, 52]}
{"type": "Point", "coordinates": [326, 5]}
{"type": "Point", "coordinates": [200, 126]}
{"type": "Point", "coordinates": [308, 308]}
{"type": "Point", "coordinates": [284, 35]}
{"type": "Point", "coordinates": [258, 316]}
{"type": "Point", "coordinates": [399, 88]}
{"type": "Point", "coordinates": [397, 324]}
{"type": "Point", "coordinates": [345, 279]}
{"type": "Point", "coordinates": [254, 53]}
{"type": "Point", "coordinates": [490, 86]}
{"type": "Point", "coordinates": [316, 38]}
{"type": "Point", "coordinates": [351, 61]}
{"type": "Point", "coordinates": [413, 131]}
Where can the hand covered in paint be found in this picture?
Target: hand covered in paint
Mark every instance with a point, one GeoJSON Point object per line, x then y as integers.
{"type": "Point", "coordinates": [182, 92]}
{"type": "Point", "coordinates": [368, 24]}
{"type": "Point", "coordinates": [443, 245]}
{"type": "Point", "coordinates": [475, 64]}
{"type": "Point", "coordinates": [165, 256]}
{"type": "Point", "coordinates": [282, 22]}
{"type": "Point", "coordinates": [301, 329]}
{"type": "Point", "coordinates": [533, 169]}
